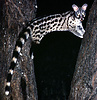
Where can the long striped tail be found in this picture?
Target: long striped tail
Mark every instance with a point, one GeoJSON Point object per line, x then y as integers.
{"type": "Point", "coordinates": [23, 37]}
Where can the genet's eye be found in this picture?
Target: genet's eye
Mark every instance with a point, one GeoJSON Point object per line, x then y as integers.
{"type": "Point", "coordinates": [83, 14]}
{"type": "Point", "coordinates": [78, 15]}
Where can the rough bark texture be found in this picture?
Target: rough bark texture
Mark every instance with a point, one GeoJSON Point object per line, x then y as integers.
{"type": "Point", "coordinates": [14, 14]}
{"type": "Point", "coordinates": [84, 83]}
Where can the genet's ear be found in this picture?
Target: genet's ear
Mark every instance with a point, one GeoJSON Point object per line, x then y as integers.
{"type": "Point", "coordinates": [75, 7]}
{"type": "Point", "coordinates": [84, 7]}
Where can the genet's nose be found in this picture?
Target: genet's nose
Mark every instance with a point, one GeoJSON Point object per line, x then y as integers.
{"type": "Point", "coordinates": [82, 19]}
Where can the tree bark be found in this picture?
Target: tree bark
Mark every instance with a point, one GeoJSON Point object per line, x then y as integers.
{"type": "Point", "coordinates": [14, 14]}
{"type": "Point", "coordinates": [84, 83]}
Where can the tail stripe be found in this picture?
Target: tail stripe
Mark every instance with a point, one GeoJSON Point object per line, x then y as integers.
{"type": "Point", "coordinates": [11, 71]}
{"type": "Point", "coordinates": [8, 83]}
{"type": "Point", "coordinates": [9, 77]}
{"type": "Point", "coordinates": [19, 43]}
{"type": "Point", "coordinates": [12, 65]}
{"type": "Point", "coordinates": [14, 59]}
{"type": "Point", "coordinates": [27, 35]}
{"type": "Point", "coordinates": [22, 41]}
{"type": "Point", "coordinates": [7, 90]}
{"type": "Point", "coordinates": [15, 54]}
{"type": "Point", "coordinates": [18, 49]}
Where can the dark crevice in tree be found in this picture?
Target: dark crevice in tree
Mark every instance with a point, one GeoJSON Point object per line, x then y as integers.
{"type": "Point", "coordinates": [23, 87]}
{"type": "Point", "coordinates": [11, 98]}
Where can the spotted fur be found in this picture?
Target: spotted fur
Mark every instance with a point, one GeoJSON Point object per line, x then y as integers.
{"type": "Point", "coordinates": [38, 28]}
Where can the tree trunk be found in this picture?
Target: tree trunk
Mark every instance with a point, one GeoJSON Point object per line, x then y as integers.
{"type": "Point", "coordinates": [84, 83]}
{"type": "Point", "coordinates": [14, 14]}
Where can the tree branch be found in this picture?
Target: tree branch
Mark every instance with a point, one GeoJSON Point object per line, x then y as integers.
{"type": "Point", "coordinates": [15, 15]}
{"type": "Point", "coordinates": [84, 83]}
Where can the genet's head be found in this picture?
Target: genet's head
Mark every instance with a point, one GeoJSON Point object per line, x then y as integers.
{"type": "Point", "coordinates": [80, 11]}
